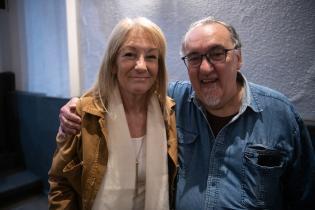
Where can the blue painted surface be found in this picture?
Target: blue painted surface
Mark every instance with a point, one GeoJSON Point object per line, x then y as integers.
{"type": "Point", "coordinates": [20, 179]}
{"type": "Point", "coordinates": [38, 126]}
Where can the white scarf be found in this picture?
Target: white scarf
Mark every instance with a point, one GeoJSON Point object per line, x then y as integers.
{"type": "Point", "coordinates": [117, 189]}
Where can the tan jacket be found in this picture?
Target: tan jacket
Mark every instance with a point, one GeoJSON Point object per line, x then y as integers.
{"type": "Point", "coordinates": [79, 164]}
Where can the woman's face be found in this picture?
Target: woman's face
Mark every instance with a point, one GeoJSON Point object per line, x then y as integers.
{"type": "Point", "coordinates": [137, 65]}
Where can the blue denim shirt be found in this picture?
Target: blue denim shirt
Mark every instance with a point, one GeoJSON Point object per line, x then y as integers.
{"type": "Point", "coordinates": [262, 159]}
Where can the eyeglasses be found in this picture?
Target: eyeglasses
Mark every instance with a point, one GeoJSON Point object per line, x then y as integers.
{"type": "Point", "coordinates": [214, 56]}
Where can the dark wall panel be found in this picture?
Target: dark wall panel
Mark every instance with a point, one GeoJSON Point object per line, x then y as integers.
{"type": "Point", "coordinates": [38, 122]}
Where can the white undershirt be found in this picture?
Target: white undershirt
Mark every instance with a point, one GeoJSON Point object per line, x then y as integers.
{"type": "Point", "coordinates": [139, 148]}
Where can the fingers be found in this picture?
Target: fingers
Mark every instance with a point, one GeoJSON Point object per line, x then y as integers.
{"type": "Point", "coordinates": [72, 105]}
{"type": "Point", "coordinates": [67, 114]}
{"type": "Point", "coordinates": [69, 111]}
{"type": "Point", "coordinates": [69, 120]}
{"type": "Point", "coordinates": [60, 133]}
{"type": "Point", "coordinates": [68, 126]}
{"type": "Point", "coordinates": [61, 136]}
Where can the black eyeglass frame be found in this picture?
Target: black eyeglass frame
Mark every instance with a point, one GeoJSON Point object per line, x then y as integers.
{"type": "Point", "coordinates": [185, 58]}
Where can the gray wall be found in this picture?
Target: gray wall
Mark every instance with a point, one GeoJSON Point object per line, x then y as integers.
{"type": "Point", "coordinates": [278, 38]}
{"type": "Point", "coordinates": [4, 46]}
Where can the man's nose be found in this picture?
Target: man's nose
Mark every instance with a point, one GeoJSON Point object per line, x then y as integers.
{"type": "Point", "coordinates": [206, 66]}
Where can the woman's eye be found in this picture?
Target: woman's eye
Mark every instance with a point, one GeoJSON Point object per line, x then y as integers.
{"type": "Point", "coordinates": [129, 55]}
{"type": "Point", "coordinates": [152, 57]}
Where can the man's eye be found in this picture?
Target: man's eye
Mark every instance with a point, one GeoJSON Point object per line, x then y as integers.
{"type": "Point", "coordinates": [193, 58]}
{"type": "Point", "coordinates": [217, 55]}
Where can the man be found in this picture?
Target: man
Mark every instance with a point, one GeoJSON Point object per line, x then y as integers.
{"type": "Point", "coordinates": [241, 145]}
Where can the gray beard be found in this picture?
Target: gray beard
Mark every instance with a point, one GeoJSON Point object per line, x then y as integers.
{"type": "Point", "coordinates": [211, 101]}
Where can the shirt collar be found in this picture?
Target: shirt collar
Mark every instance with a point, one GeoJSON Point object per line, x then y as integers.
{"type": "Point", "coordinates": [248, 100]}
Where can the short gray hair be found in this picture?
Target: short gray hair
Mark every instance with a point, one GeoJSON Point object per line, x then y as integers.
{"type": "Point", "coordinates": [211, 20]}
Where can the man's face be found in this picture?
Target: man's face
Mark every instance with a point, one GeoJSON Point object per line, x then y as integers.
{"type": "Point", "coordinates": [215, 84]}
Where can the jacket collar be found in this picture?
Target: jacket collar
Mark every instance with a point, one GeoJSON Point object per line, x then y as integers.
{"type": "Point", "coordinates": [93, 106]}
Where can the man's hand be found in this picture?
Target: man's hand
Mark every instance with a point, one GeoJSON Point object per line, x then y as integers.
{"type": "Point", "coordinates": [70, 122]}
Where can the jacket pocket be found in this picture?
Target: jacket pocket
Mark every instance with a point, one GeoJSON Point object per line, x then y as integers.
{"type": "Point", "coordinates": [73, 173]}
{"type": "Point", "coordinates": [186, 148]}
{"type": "Point", "coordinates": [263, 167]}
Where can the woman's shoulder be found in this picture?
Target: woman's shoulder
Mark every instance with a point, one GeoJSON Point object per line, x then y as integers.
{"type": "Point", "coordinates": [88, 103]}
{"type": "Point", "coordinates": [170, 103]}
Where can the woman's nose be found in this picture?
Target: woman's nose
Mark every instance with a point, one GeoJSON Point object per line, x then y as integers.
{"type": "Point", "coordinates": [141, 63]}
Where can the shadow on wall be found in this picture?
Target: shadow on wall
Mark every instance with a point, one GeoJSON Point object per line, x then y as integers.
{"type": "Point", "coordinates": [311, 130]}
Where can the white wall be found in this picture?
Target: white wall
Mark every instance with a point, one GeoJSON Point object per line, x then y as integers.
{"type": "Point", "coordinates": [278, 38]}
{"type": "Point", "coordinates": [36, 46]}
{"type": "Point", "coordinates": [45, 33]}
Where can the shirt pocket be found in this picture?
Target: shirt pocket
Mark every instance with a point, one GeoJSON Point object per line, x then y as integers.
{"type": "Point", "coordinates": [263, 167]}
{"type": "Point", "coordinates": [186, 148]}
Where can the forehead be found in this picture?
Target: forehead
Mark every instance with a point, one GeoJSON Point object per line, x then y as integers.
{"type": "Point", "coordinates": [204, 37]}
{"type": "Point", "coordinates": [139, 38]}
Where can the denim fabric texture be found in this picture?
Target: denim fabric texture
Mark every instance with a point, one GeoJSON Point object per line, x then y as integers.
{"type": "Point", "coordinates": [262, 159]}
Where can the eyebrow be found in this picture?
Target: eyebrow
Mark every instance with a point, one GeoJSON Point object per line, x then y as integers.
{"type": "Point", "coordinates": [216, 46]}
{"type": "Point", "coordinates": [194, 52]}
{"type": "Point", "coordinates": [130, 47]}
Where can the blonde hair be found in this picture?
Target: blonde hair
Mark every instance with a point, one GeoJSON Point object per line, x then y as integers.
{"type": "Point", "coordinates": [107, 80]}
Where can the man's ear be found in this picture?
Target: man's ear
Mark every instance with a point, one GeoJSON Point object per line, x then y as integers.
{"type": "Point", "coordinates": [239, 58]}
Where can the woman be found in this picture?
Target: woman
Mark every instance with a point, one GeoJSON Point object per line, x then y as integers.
{"type": "Point", "coordinates": [125, 155]}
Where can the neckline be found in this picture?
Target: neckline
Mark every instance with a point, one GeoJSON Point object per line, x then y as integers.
{"type": "Point", "coordinates": [138, 138]}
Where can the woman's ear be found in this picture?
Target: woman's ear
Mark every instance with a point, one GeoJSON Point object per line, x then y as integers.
{"type": "Point", "coordinates": [114, 69]}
